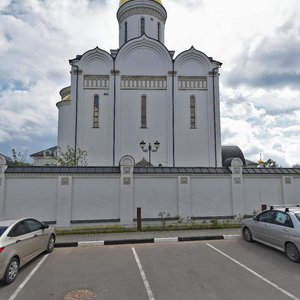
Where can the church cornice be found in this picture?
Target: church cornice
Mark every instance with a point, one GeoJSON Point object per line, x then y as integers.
{"type": "Point", "coordinates": [141, 11]}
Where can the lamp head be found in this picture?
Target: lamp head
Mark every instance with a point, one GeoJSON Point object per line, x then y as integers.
{"type": "Point", "coordinates": [142, 144]}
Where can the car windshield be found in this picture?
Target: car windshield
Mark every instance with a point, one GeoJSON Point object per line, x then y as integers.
{"type": "Point", "coordinates": [298, 216]}
{"type": "Point", "coordinates": [2, 229]}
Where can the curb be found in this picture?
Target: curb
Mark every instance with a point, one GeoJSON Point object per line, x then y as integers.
{"type": "Point", "coordinates": [146, 241]}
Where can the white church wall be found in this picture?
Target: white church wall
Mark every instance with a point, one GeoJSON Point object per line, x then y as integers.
{"type": "Point", "coordinates": [130, 134]}
{"type": "Point", "coordinates": [192, 143]}
{"type": "Point", "coordinates": [262, 190]}
{"type": "Point", "coordinates": [97, 141]}
{"type": "Point", "coordinates": [296, 185]}
{"type": "Point", "coordinates": [30, 197]}
{"type": "Point", "coordinates": [64, 124]}
{"type": "Point", "coordinates": [2, 185]}
{"type": "Point", "coordinates": [143, 56]}
{"type": "Point", "coordinates": [95, 198]}
{"type": "Point", "coordinates": [199, 146]}
{"type": "Point", "coordinates": [156, 195]}
{"type": "Point", "coordinates": [137, 77]}
{"type": "Point", "coordinates": [211, 196]}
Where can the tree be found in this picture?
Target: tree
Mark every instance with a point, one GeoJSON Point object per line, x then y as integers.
{"type": "Point", "coordinates": [70, 159]}
{"type": "Point", "coordinates": [19, 158]}
{"type": "Point", "coordinates": [270, 163]}
{"type": "Point", "coordinates": [296, 165]}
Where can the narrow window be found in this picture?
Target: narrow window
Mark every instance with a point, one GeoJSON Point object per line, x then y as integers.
{"type": "Point", "coordinates": [96, 112]}
{"type": "Point", "coordinates": [158, 31]}
{"type": "Point", "coordinates": [126, 37]}
{"type": "Point", "coordinates": [192, 112]}
{"type": "Point", "coordinates": [142, 26]}
{"type": "Point", "coordinates": [144, 112]}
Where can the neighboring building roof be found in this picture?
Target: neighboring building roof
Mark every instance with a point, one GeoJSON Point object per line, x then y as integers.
{"type": "Point", "coordinates": [251, 163]}
{"type": "Point", "coordinates": [230, 152]}
{"type": "Point", "coordinates": [45, 153]}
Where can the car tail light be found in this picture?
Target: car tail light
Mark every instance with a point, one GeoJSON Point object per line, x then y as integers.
{"type": "Point", "coordinates": [1, 249]}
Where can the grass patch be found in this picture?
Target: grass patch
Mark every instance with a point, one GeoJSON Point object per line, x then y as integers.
{"type": "Point", "coordinates": [145, 228]}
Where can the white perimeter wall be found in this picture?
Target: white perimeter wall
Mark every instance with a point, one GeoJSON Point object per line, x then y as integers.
{"type": "Point", "coordinates": [74, 199]}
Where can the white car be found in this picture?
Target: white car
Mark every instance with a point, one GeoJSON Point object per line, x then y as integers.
{"type": "Point", "coordinates": [20, 241]}
{"type": "Point", "coordinates": [278, 227]}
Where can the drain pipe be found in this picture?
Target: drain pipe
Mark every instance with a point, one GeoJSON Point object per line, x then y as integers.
{"type": "Point", "coordinates": [173, 112]}
{"type": "Point", "coordinates": [76, 114]}
{"type": "Point", "coordinates": [214, 113]}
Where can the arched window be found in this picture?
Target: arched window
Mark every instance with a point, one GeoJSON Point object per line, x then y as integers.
{"type": "Point", "coordinates": [192, 112]}
{"type": "Point", "coordinates": [143, 111]}
{"type": "Point", "coordinates": [142, 26]}
{"type": "Point", "coordinates": [158, 31]}
{"type": "Point", "coordinates": [96, 112]}
{"type": "Point", "coordinates": [126, 33]}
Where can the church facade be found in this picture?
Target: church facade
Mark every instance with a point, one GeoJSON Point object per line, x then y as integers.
{"type": "Point", "coordinates": [142, 92]}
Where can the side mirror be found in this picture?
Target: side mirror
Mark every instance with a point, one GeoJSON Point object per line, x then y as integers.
{"type": "Point", "coordinates": [45, 226]}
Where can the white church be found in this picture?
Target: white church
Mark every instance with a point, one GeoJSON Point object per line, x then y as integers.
{"type": "Point", "coordinates": [141, 92]}
{"type": "Point", "coordinates": [149, 121]}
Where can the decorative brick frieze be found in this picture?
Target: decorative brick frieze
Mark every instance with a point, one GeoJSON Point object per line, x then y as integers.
{"type": "Point", "coordinates": [192, 83]}
{"type": "Point", "coordinates": [144, 82]}
{"type": "Point", "coordinates": [96, 82]}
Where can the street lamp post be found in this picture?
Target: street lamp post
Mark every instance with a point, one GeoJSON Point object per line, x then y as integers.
{"type": "Point", "coordinates": [149, 149]}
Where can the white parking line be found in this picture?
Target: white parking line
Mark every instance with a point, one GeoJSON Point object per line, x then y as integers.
{"type": "Point", "coordinates": [146, 283]}
{"type": "Point", "coordinates": [21, 286]}
{"type": "Point", "coordinates": [166, 240]}
{"type": "Point", "coordinates": [91, 243]}
{"type": "Point", "coordinates": [255, 273]}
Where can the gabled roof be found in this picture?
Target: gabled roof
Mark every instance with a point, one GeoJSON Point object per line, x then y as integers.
{"type": "Point", "coordinates": [45, 153]}
{"type": "Point", "coordinates": [143, 163]}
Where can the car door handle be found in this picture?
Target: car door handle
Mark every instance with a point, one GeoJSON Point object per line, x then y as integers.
{"type": "Point", "coordinates": [285, 229]}
{"type": "Point", "coordinates": [18, 241]}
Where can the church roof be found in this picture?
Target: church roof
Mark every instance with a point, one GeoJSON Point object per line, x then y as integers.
{"type": "Point", "coordinates": [125, 1]}
{"type": "Point", "coordinates": [230, 152]}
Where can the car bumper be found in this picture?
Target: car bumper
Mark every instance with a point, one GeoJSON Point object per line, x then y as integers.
{"type": "Point", "coordinates": [4, 260]}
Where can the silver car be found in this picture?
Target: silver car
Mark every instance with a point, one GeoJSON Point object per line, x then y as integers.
{"type": "Point", "coordinates": [20, 241]}
{"type": "Point", "coordinates": [278, 227]}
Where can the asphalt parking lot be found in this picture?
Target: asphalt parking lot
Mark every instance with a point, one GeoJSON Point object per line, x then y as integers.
{"type": "Point", "coordinates": [223, 269]}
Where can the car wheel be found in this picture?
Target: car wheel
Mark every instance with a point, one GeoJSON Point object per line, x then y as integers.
{"type": "Point", "coordinates": [247, 235]}
{"type": "Point", "coordinates": [11, 270]}
{"type": "Point", "coordinates": [51, 243]}
{"type": "Point", "coordinates": [292, 252]}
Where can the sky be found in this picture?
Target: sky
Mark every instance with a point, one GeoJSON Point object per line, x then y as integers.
{"type": "Point", "coordinates": [257, 41]}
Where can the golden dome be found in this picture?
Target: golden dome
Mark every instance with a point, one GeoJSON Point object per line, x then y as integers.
{"type": "Point", "coordinates": [124, 1]}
